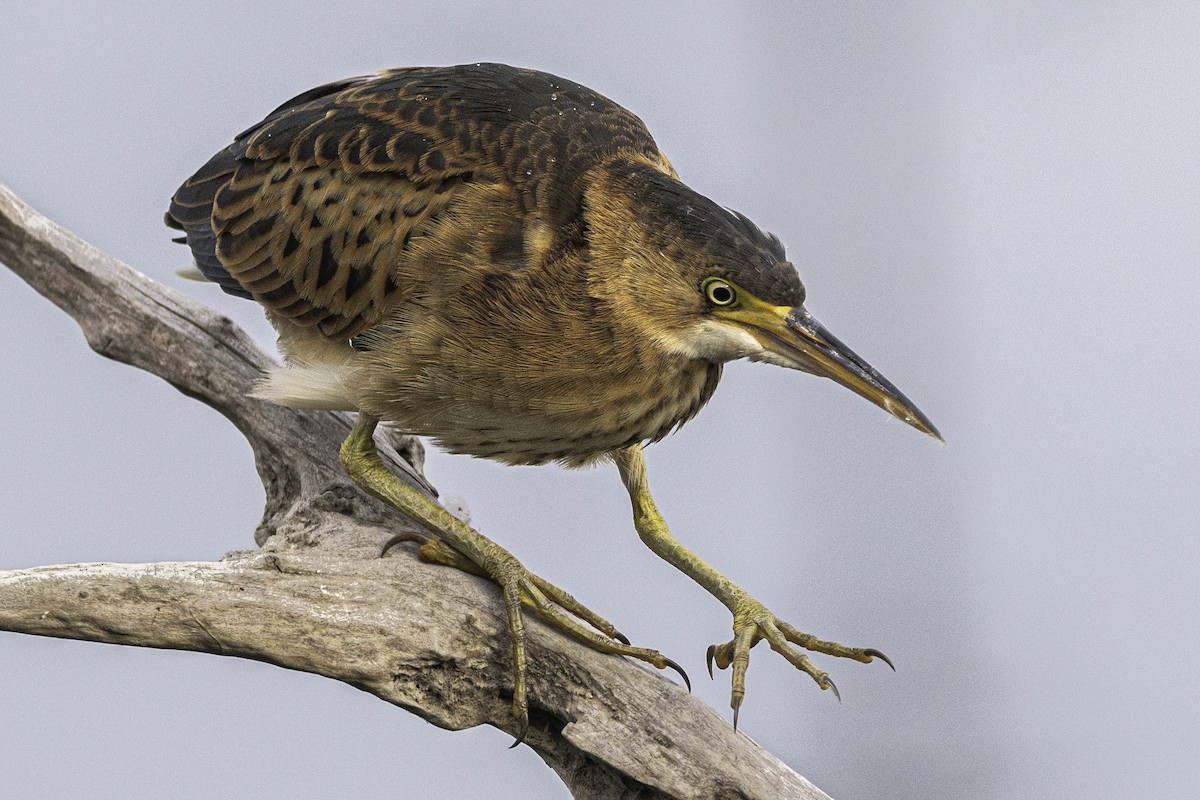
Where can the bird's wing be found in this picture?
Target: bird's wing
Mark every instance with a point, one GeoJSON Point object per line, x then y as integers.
{"type": "Point", "coordinates": [312, 212]}
{"type": "Point", "coordinates": [308, 211]}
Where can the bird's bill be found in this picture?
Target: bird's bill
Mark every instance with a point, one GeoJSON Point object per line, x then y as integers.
{"type": "Point", "coordinates": [797, 340]}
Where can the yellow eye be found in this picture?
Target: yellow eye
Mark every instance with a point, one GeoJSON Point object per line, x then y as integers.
{"type": "Point", "coordinates": [719, 292]}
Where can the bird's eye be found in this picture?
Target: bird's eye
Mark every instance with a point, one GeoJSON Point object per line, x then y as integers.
{"type": "Point", "coordinates": [719, 292]}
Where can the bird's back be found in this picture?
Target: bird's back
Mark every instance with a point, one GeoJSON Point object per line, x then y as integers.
{"type": "Point", "coordinates": [350, 195]}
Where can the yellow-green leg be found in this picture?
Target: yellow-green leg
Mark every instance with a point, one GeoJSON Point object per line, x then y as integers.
{"type": "Point", "coordinates": [459, 545]}
{"type": "Point", "coordinates": [752, 622]}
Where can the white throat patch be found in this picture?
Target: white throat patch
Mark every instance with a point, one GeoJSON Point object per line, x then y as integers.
{"type": "Point", "coordinates": [715, 341]}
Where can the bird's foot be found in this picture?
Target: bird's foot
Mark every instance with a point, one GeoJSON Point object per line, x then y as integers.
{"type": "Point", "coordinates": [752, 622]}
{"type": "Point", "coordinates": [520, 587]}
{"type": "Point", "coordinates": [453, 542]}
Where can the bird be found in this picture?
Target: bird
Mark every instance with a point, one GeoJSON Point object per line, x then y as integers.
{"type": "Point", "coordinates": [505, 262]}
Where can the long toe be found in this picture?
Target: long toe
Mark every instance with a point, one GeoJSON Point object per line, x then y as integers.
{"type": "Point", "coordinates": [753, 623]}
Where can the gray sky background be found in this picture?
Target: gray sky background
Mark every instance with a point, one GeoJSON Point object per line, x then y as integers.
{"type": "Point", "coordinates": [998, 204]}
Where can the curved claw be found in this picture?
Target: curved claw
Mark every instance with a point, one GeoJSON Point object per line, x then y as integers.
{"type": "Point", "coordinates": [686, 680]}
{"type": "Point", "coordinates": [708, 658]}
{"type": "Point", "coordinates": [873, 653]}
{"type": "Point", "coordinates": [620, 637]}
{"type": "Point", "coordinates": [736, 709]}
{"type": "Point", "coordinates": [522, 730]}
{"type": "Point", "coordinates": [829, 684]}
{"type": "Point", "coordinates": [400, 538]}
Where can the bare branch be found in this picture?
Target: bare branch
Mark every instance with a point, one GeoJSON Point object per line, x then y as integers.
{"type": "Point", "coordinates": [426, 638]}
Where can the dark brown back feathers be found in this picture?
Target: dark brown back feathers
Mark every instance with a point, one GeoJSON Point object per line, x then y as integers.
{"type": "Point", "coordinates": [314, 211]}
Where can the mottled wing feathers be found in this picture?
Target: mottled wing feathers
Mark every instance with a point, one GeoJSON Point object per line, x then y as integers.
{"type": "Point", "coordinates": [313, 211]}
{"type": "Point", "coordinates": [290, 216]}
{"type": "Point", "coordinates": [317, 246]}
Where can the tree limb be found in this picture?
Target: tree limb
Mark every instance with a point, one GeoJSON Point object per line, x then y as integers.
{"type": "Point", "coordinates": [316, 598]}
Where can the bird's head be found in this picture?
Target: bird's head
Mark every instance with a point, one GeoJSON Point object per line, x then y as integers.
{"type": "Point", "coordinates": [705, 282]}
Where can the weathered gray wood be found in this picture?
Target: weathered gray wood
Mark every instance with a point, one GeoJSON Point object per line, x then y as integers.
{"type": "Point", "coordinates": [316, 598]}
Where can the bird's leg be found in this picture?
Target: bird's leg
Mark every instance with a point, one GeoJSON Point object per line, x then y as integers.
{"type": "Point", "coordinates": [752, 621]}
{"type": "Point", "coordinates": [457, 544]}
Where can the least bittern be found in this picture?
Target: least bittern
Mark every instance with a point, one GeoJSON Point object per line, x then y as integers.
{"type": "Point", "coordinates": [504, 261]}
